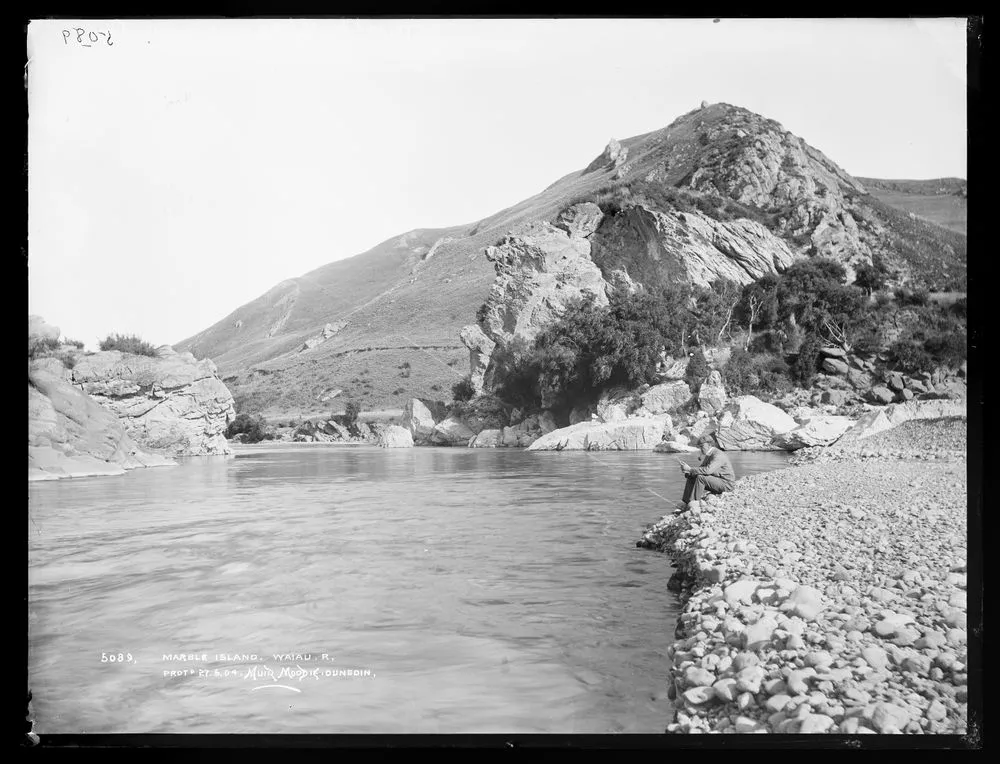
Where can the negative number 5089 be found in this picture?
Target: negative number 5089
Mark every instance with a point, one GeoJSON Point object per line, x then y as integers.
{"type": "Point", "coordinates": [85, 38]}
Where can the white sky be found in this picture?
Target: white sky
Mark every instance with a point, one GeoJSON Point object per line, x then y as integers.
{"type": "Point", "coordinates": [191, 165]}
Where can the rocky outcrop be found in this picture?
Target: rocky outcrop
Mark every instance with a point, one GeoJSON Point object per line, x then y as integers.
{"type": "Point", "coordinates": [689, 246]}
{"type": "Point", "coordinates": [540, 268]}
{"type": "Point", "coordinates": [487, 439]}
{"type": "Point", "coordinates": [169, 403]}
{"type": "Point", "coordinates": [613, 156]}
{"type": "Point", "coordinates": [887, 417]}
{"type": "Point", "coordinates": [330, 330]}
{"type": "Point", "coordinates": [480, 349]}
{"type": "Point", "coordinates": [453, 431]}
{"type": "Point", "coordinates": [749, 424]}
{"type": "Point", "coordinates": [667, 396]}
{"type": "Point", "coordinates": [70, 435]}
{"type": "Point", "coordinates": [636, 434]}
{"type": "Point", "coordinates": [817, 431]}
{"type": "Point", "coordinates": [395, 436]}
{"type": "Point", "coordinates": [712, 396]}
{"type": "Point", "coordinates": [419, 420]}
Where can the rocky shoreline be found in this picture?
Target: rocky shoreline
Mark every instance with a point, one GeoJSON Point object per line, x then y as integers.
{"type": "Point", "coordinates": [830, 596]}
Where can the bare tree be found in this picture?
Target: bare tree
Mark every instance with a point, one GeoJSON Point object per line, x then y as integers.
{"type": "Point", "coordinates": [729, 318]}
{"type": "Point", "coordinates": [754, 305]}
{"type": "Point", "coordinates": [836, 333]}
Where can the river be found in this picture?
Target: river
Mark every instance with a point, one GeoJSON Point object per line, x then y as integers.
{"type": "Point", "coordinates": [351, 589]}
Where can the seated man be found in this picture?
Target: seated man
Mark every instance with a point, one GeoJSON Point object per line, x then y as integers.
{"type": "Point", "coordinates": [714, 474]}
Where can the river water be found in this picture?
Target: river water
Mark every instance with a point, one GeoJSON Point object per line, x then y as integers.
{"type": "Point", "coordinates": [351, 589]}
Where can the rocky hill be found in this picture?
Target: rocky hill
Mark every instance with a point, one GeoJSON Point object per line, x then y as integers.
{"type": "Point", "coordinates": [719, 193]}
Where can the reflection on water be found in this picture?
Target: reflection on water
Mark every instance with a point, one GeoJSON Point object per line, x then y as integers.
{"type": "Point", "coordinates": [355, 589]}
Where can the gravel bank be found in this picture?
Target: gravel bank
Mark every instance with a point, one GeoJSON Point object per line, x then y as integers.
{"type": "Point", "coordinates": [829, 597]}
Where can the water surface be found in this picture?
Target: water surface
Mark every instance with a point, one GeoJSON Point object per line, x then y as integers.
{"type": "Point", "coordinates": [351, 589]}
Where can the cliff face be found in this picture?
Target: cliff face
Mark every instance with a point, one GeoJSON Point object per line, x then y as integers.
{"type": "Point", "coordinates": [171, 403]}
{"type": "Point", "coordinates": [721, 192]}
{"type": "Point", "coordinates": [70, 435]}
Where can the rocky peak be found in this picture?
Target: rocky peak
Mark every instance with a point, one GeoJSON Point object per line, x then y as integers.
{"type": "Point", "coordinates": [614, 155]}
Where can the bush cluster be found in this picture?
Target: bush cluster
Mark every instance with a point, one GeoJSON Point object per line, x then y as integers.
{"type": "Point", "coordinates": [252, 426]}
{"type": "Point", "coordinates": [127, 343]}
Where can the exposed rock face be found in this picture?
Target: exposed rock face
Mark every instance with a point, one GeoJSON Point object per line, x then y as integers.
{"type": "Point", "coordinates": [818, 431]}
{"type": "Point", "coordinates": [690, 247]}
{"type": "Point", "coordinates": [480, 349]}
{"type": "Point", "coordinates": [418, 420]}
{"type": "Point", "coordinates": [885, 418]}
{"type": "Point", "coordinates": [69, 435]}
{"type": "Point", "coordinates": [487, 439]}
{"type": "Point", "coordinates": [666, 396]}
{"type": "Point", "coordinates": [769, 168]}
{"type": "Point", "coordinates": [751, 425]}
{"type": "Point", "coordinates": [451, 432]}
{"type": "Point", "coordinates": [170, 403]}
{"type": "Point", "coordinates": [330, 330]}
{"type": "Point", "coordinates": [712, 396]}
{"type": "Point", "coordinates": [614, 155]}
{"type": "Point", "coordinates": [637, 434]}
{"type": "Point", "coordinates": [540, 268]}
{"type": "Point", "coordinates": [580, 220]}
{"type": "Point", "coordinates": [395, 436]}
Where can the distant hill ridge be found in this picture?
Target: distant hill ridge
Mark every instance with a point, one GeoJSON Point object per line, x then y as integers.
{"type": "Point", "coordinates": [352, 325]}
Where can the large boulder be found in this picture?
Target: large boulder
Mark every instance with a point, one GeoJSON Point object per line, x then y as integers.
{"type": "Point", "coordinates": [881, 395]}
{"type": "Point", "coordinates": [169, 403]}
{"type": "Point", "coordinates": [754, 425]}
{"type": "Point", "coordinates": [487, 439]}
{"type": "Point", "coordinates": [419, 420]}
{"type": "Point", "coordinates": [666, 396]}
{"type": "Point", "coordinates": [70, 435]}
{"type": "Point", "coordinates": [817, 431]}
{"type": "Point", "coordinates": [453, 431]}
{"type": "Point", "coordinates": [637, 434]}
{"type": "Point", "coordinates": [572, 438]}
{"type": "Point", "coordinates": [673, 447]}
{"type": "Point", "coordinates": [395, 436]}
{"type": "Point", "coordinates": [712, 396]}
{"type": "Point", "coordinates": [835, 366]}
{"type": "Point", "coordinates": [884, 418]}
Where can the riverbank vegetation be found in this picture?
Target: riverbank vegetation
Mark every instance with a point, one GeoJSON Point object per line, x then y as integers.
{"type": "Point", "coordinates": [772, 331]}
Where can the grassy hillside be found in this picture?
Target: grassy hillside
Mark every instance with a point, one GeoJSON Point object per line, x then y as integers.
{"type": "Point", "coordinates": [943, 201]}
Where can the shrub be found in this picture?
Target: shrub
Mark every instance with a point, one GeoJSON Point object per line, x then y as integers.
{"type": "Point", "coordinates": [697, 370]}
{"type": "Point", "coordinates": [916, 298]}
{"type": "Point", "coordinates": [351, 411]}
{"type": "Point", "coordinates": [41, 346]}
{"type": "Point", "coordinates": [959, 308]}
{"type": "Point", "coordinates": [127, 343]}
{"type": "Point", "coordinates": [463, 390]}
{"type": "Point", "coordinates": [803, 371]}
{"type": "Point", "coordinates": [252, 426]}
{"type": "Point", "coordinates": [405, 365]}
{"type": "Point", "coordinates": [75, 343]}
{"type": "Point", "coordinates": [739, 375]}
